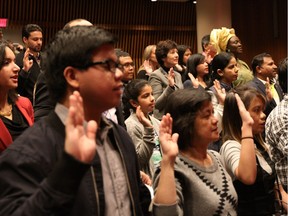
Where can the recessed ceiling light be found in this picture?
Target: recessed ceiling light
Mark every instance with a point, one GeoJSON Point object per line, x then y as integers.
{"type": "Point", "coordinates": [194, 2]}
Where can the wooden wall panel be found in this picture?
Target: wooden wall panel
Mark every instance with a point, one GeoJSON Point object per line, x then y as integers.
{"type": "Point", "coordinates": [137, 23]}
{"type": "Point", "coordinates": [261, 25]}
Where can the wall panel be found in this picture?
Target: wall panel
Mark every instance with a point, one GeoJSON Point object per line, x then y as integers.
{"type": "Point", "coordinates": [137, 23]}
{"type": "Point", "coordinates": [261, 25]}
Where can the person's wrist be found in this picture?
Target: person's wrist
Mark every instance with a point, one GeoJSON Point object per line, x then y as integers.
{"type": "Point", "coordinates": [25, 70]}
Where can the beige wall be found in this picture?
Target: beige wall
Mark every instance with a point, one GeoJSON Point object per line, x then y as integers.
{"type": "Point", "coordinates": [211, 14]}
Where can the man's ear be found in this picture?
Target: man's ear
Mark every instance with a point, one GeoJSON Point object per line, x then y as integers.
{"type": "Point", "coordinates": [133, 103]}
{"type": "Point", "coordinates": [71, 75]}
{"type": "Point", "coordinates": [24, 39]}
{"type": "Point", "coordinates": [258, 69]}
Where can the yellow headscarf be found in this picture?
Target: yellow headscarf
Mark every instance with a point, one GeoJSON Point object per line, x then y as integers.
{"type": "Point", "coordinates": [220, 37]}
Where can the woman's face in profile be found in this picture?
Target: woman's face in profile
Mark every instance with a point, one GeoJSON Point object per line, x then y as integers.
{"type": "Point", "coordinates": [206, 124]}
{"type": "Point", "coordinates": [234, 45]}
{"type": "Point", "coordinates": [256, 110]}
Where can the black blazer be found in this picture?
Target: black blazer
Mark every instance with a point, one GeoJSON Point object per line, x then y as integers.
{"type": "Point", "coordinates": [256, 83]}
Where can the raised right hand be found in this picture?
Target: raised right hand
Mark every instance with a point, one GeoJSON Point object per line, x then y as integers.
{"type": "Point", "coordinates": [168, 141]}
{"type": "Point", "coordinates": [80, 143]}
{"type": "Point", "coordinates": [245, 115]}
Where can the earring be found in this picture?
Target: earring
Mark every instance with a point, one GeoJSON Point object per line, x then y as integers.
{"type": "Point", "coordinates": [228, 50]}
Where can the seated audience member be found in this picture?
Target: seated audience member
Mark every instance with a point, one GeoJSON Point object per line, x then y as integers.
{"type": "Point", "coordinates": [51, 176]}
{"type": "Point", "coordinates": [265, 71]}
{"type": "Point", "coordinates": [165, 80]}
{"type": "Point", "coordinates": [142, 127]}
{"type": "Point", "coordinates": [149, 63]}
{"type": "Point", "coordinates": [192, 178]}
{"type": "Point", "coordinates": [42, 103]}
{"type": "Point", "coordinates": [29, 60]}
{"type": "Point", "coordinates": [276, 130]}
{"type": "Point", "coordinates": [225, 40]}
{"type": "Point", "coordinates": [246, 155]}
{"type": "Point", "coordinates": [16, 112]}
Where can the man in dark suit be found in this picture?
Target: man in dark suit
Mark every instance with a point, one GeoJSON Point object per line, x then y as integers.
{"type": "Point", "coordinates": [265, 71]}
{"type": "Point", "coordinates": [29, 60]}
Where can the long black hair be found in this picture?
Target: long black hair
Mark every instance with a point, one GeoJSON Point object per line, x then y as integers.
{"type": "Point", "coordinates": [131, 92]}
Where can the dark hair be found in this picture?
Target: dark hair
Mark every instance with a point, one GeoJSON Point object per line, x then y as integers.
{"type": "Point", "coordinates": [27, 29]}
{"type": "Point", "coordinates": [205, 40]}
{"type": "Point", "coordinates": [282, 74]}
{"type": "Point", "coordinates": [71, 47]}
{"type": "Point", "coordinates": [193, 61]}
{"type": "Point", "coordinates": [231, 120]}
{"type": "Point", "coordinates": [12, 95]}
{"type": "Point", "coordinates": [220, 61]}
{"type": "Point", "coordinates": [162, 49]}
{"type": "Point", "coordinates": [181, 51]}
{"type": "Point", "coordinates": [131, 92]}
{"type": "Point", "coordinates": [121, 53]}
{"type": "Point", "coordinates": [184, 105]}
{"type": "Point", "coordinates": [258, 61]}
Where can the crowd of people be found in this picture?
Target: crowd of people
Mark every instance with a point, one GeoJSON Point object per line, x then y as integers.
{"type": "Point", "coordinates": [83, 133]}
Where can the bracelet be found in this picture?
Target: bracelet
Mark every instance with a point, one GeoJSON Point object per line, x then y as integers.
{"type": "Point", "coordinates": [247, 137]}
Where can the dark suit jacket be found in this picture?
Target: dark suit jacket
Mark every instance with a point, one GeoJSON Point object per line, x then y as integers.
{"type": "Point", "coordinates": [256, 83]}
{"type": "Point", "coordinates": [26, 81]}
{"type": "Point", "coordinates": [25, 107]}
{"type": "Point", "coordinates": [42, 102]}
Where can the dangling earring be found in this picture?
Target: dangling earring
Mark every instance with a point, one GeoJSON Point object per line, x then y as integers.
{"type": "Point", "coordinates": [228, 50]}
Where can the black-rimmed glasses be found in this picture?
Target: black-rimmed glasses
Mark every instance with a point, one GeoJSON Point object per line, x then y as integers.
{"type": "Point", "coordinates": [108, 64]}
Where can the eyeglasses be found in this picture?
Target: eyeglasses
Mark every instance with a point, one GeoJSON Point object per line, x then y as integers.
{"type": "Point", "coordinates": [108, 64]}
{"type": "Point", "coordinates": [128, 64]}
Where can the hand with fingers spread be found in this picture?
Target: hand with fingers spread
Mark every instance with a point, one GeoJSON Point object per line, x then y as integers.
{"type": "Point", "coordinates": [171, 77]}
{"type": "Point", "coordinates": [220, 92]}
{"type": "Point", "coordinates": [27, 63]}
{"type": "Point", "coordinates": [142, 118]}
{"type": "Point", "coordinates": [80, 142]}
{"type": "Point", "coordinates": [269, 95]}
{"type": "Point", "coordinates": [194, 81]}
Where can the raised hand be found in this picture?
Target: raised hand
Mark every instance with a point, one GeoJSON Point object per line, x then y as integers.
{"type": "Point", "coordinates": [142, 118]}
{"type": "Point", "coordinates": [220, 92]}
{"type": "Point", "coordinates": [27, 63]}
{"type": "Point", "coordinates": [269, 95]}
{"type": "Point", "coordinates": [245, 115]}
{"type": "Point", "coordinates": [171, 77]}
{"type": "Point", "coordinates": [194, 81]}
{"type": "Point", "coordinates": [168, 141]}
{"type": "Point", "coordinates": [80, 143]}
{"type": "Point", "coordinates": [148, 67]}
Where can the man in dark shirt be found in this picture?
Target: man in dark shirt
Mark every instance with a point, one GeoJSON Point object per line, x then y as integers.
{"type": "Point", "coordinates": [29, 60]}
